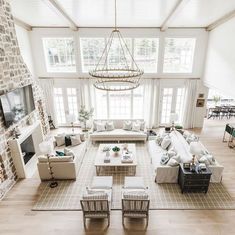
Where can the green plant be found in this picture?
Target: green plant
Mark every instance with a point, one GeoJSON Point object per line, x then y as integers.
{"type": "Point", "coordinates": [116, 149]}
{"type": "Point", "coordinates": [178, 127]}
{"type": "Point", "coordinates": [85, 115]}
{"type": "Point", "coordinates": [216, 98]}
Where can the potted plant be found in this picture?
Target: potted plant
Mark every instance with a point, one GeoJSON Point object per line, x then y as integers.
{"type": "Point", "coordinates": [216, 99]}
{"type": "Point", "coordinates": [179, 129]}
{"type": "Point", "coordinates": [85, 115]}
{"type": "Point", "coordinates": [116, 150]}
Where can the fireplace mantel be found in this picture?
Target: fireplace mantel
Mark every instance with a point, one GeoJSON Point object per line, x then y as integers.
{"type": "Point", "coordinates": [26, 170]}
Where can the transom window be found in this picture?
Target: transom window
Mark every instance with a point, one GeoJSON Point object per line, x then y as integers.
{"type": "Point", "coordinates": [179, 54]}
{"type": "Point", "coordinates": [146, 54]}
{"type": "Point", "coordinates": [59, 54]}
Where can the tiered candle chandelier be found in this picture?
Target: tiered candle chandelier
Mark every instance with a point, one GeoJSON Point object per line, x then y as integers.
{"type": "Point", "coordinates": [123, 76]}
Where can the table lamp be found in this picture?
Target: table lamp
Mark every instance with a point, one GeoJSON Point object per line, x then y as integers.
{"type": "Point", "coordinates": [46, 147]}
{"type": "Point", "coordinates": [173, 118]}
{"type": "Point", "coordinates": [71, 119]}
{"type": "Point", "coordinates": [195, 149]}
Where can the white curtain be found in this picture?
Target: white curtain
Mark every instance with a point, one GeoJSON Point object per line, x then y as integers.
{"type": "Point", "coordinates": [190, 103]}
{"type": "Point", "coordinates": [47, 86]}
{"type": "Point", "coordinates": [151, 102]}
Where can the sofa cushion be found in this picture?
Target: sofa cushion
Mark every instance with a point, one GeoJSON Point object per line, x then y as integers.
{"type": "Point", "coordinates": [135, 195]}
{"type": "Point", "coordinates": [136, 126]}
{"type": "Point", "coordinates": [61, 159]}
{"type": "Point", "coordinates": [109, 126]}
{"type": "Point", "coordinates": [75, 140]}
{"type": "Point", "coordinates": [127, 125]}
{"type": "Point", "coordinates": [100, 127]}
{"type": "Point", "coordinates": [69, 152]}
{"type": "Point", "coordinates": [142, 125]}
{"type": "Point", "coordinates": [116, 133]}
{"type": "Point", "coordinates": [166, 142]}
{"type": "Point", "coordinates": [172, 162]}
{"type": "Point", "coordinates": [60, 139]}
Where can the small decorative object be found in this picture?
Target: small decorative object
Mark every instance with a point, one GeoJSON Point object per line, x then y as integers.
{"type": "Point", "coordinates": [51, 124]}
{"type": "Point", "coordinates": [186, 165]}
{"type": "Point", "coordinates": [107, 154]}
{"type": "Point", "coordinates": [201, 95]}
{"type": "Point", "coordinates": [71, 119]}
{"type": "Point", "coordinates": [216, 99]}
{"type": "Point", "coordinates": [195, 149]}
{"type": "Point", "coordinates": [173, 118]}
{"type": "Point", "coordinates": [46, 147]}
{"type": "Point", "coordinates": [85, 115]}
{"type": "Point", "coordinates": [107, 157]}
{"type": "Point", "coordinates": [16, 132]}
{"type": "Point", "coordinates": [200, 103]}
{"type": "Point", "coordinates": [116, 150]}
{"type": "Point", "coordinates": [106, 148]}
{"type": "Point", "coordinates": [167, 129]}
{"type": "Point", "coordinates": [125, 146]}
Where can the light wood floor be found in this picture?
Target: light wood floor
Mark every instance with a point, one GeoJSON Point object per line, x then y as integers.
{"type": "Point", "coordinates": [16, 216]}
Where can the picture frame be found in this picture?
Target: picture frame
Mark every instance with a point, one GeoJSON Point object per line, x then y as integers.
{"type": "Point", "coordinates": [201, 95]}
{"type": "Point", "coordinates": [186, 165]}
{"type": "Point", "coordinates": [200, 103]}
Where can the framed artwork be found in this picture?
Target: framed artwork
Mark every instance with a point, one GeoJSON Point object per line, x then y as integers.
{"type": "Point", "coordinates": [201, 95]}
{"type": "Point", "coordinates": [200, 103]}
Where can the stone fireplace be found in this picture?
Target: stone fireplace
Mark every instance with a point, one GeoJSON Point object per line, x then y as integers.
{"type": "Point", "coordinates": [14, 73]}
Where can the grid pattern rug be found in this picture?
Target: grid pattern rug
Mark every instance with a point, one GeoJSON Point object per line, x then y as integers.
{"type": "Point", "coordinates": [162, 196]}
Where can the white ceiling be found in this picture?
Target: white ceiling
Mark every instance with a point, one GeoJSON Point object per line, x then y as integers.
{"type": "Point", "coordinates": [131, 13]}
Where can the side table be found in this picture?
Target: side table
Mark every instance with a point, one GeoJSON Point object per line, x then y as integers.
{"type": "Point", "coordinates": [197, 181]}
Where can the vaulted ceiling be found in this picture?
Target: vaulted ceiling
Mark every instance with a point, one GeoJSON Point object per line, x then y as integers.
{"type": "Point", "coordinates": [131, 13]}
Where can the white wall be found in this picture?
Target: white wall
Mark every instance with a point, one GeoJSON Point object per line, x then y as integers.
{"type": "Point", "coordinates": [23, 38]}
{"type": "Point", "coordinates": [220, 61]}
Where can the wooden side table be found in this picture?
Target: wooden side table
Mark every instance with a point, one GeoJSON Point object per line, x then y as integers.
{"type": "Point", "coordinates": [194, 181]}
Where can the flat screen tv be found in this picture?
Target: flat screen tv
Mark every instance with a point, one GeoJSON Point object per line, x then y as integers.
{"type": "Point", "coordinates": [17, 104]}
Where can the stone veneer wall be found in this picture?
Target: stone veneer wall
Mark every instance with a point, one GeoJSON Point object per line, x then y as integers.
{"type": "Point", "coordinates": [13, 74]}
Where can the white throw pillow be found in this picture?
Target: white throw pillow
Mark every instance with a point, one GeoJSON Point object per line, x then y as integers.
{"type": "Point", "coordinates": [171, 153]}
{"type": "Point", "coordinates": [100, 127]}
{"type": "Point", "coordinates": [142, 125]}
{"type": "Point", "coordinates": [109, 126]}
{"type": "Point", "coordinates": [177, 158]}
{"type": "Point", "coordinates": [136, 126]}
{"type": "Point", "coordinates": [75, 140]}
{"type": "Point", "coordinates": [192, 138]}
{"type": "Point", "coordinates": [204, 159]}
{"type": "Point", "coordinates": [69, 152]}
{"type": "Point", "coordinates": [60, 139]}
{"type": "Point", "coordinates": [127, 125]}
{"type": "Point", "coordinates": [186, 134]}
{"type": "Point", "coordinates": [166, 142]}
{"type": "Point", "coordinates": [172, 162]}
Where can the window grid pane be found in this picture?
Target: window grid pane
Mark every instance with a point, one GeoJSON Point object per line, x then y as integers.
{"type": "Point", "coordinates": [179, 109]}
{"type": "Point", "coordinates": [138, 103]}
{"type": "Point", "coordinates": [101, 104]}
{"type": "Point", "coordinates": [59, 54]}
{"type": "Point", "coordinates": [166, 105]}
{"type": "Point", "coordinates": [146, 54]}
{"type": "Point", "coordinates": [178, 56]}
{"type": "Point", "coordinates": [59, 105]}
{"type": "Point", "coordinates": [72, 101]}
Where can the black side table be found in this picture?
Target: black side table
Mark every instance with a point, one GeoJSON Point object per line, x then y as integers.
{"type": "Point", "coordinates": [197, 181]}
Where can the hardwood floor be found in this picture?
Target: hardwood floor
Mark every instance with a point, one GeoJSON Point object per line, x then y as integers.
{"type": "Point", "coordinates": [16, 216]}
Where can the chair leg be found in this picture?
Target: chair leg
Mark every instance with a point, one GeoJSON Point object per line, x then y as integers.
{"type": "Point", "coordinates": [147, 221]}
{"type": "Point", "coordinates": [108, 220]}
{"type": "Point", "coordinates": [123, 221]}
{"type": "Point", "coordinates": [84, 221]}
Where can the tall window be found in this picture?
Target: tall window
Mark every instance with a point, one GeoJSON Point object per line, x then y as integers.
{"type": "Point", "coordinates": [91, 51]}
{"type": "Point", "coordinates": [138, 102]}
{"type": "Point", "coordinates": [72, 101]}
{"type": "Point", "coordinates": [178, 56]}
{"type": "Point", "coordinates": [120, 104]}
{"type": "Point", "coordinates": [179, 108]}
{"type": "Point", "coordinates": [101, 104]}
{"type": "Point", "coordinates": [59, 105]}
{"type": "Point", "coordinates": [146, 54]}
{"type": "Point", "coordinates": [59, 54]}
{"type": "Point", "coordinates": [166, 105]}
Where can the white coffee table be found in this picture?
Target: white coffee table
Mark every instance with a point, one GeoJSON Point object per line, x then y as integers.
{"type": "Point", "coordinates": [115, 165]}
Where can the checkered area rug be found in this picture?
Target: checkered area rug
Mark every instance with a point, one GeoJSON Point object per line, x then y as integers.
{"type": "Point", "coordinates": [162, 196]}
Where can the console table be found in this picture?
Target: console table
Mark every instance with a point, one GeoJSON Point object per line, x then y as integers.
{"type": "Point", "coordinates": [194, 181]}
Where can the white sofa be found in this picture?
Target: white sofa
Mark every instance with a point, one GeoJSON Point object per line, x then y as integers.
{"type": "Point", "coordinates": [118, 134]}
{"type": "Point", "coordinates": [168, 174]}
{"type": "Point", "coordinates": [63, 167]}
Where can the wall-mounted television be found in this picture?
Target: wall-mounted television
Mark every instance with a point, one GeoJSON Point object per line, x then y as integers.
{"type": "Point", "coordinates": [16, 104]}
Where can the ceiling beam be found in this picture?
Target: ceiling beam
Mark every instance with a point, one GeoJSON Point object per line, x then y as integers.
{"type": "Point", "coordinates": [59, 9]}
{"type": "Point", "coordinates": [22, 24]}
{"type": "Point", "coordinates": [221, 20]}
{"type": "Point", "coordinates": [178, 6]}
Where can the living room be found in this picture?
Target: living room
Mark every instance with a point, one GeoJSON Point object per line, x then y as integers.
{"type": "Point", "coordinates": [117, 117]}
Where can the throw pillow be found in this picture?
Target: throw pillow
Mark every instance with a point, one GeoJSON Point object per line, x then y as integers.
{"type": "Point", "coordinates": [60, 139]}
{"type": "Point", "coordinates": [100, 127]}
{"type": "Point", "coordinates": [164, 159]}
{"type": "Point", "coordinates": [171, 153]}
{"type": "Point", "coordinates": [204, 159]}
{"type": "Point", "coordinates": [127, 125]}
{"type": "Point", "coordinates": [82, 137]}
{"type": "Point", "coordinates": [136, 126]}
{"type": "Point", "coordinates": [67, 140]}
{"type": "Point", "coordinates": [177, 158]}
{"type": "Point", "coordinates": [159, 139]}
{"type": "Point", "coordinates": [172, 162]}
{"type": "Point", "coordinates": [109, 126]}
{"type": "Point", "coordinates": [68, 152]}
{"type": "Point", "coordinates": [142, 125]}
{"type": "Point", "coordinates": [75, 140]}
{"type": "Point", "coordinates": [59, 153]}
{"type": "Point", "coordinates": [141, 195]}
{"type": "Point", "coordinates": [211, 159]}
{"type": "Point", "coordinates": [166, 142]}
{"type": "Point", "coordinates": [186, 134]}
{"type": "Point", "coordinates": [192, 138]}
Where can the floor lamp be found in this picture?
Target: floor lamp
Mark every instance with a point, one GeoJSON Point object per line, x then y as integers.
{"type": "Point", "coordinates": [71, 119]}
{"type": "Point", "coordinates": [46, 147]}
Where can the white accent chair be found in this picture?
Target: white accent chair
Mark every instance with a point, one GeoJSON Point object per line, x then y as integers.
{"type": "Point", "coordinates": [135, 199]}
{"type": "Point", "coordinates": [96, 203]}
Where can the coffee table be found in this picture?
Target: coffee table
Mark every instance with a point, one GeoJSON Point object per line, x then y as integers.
{"type": "Point", "coordinates": [115, 165]}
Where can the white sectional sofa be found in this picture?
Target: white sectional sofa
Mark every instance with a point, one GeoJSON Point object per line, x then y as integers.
{"type": "Point", "coordinates": [168, 174]}
{"type": "Point", "coordinates": [118, 134]}
{"type": "Point", "coordinates": [64, 167]}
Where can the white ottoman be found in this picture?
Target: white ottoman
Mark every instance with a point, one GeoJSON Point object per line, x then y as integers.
{"type": "Point", "coordinates": [102, 182]}
{"type": "Point", "coordinates": [134, 182]}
